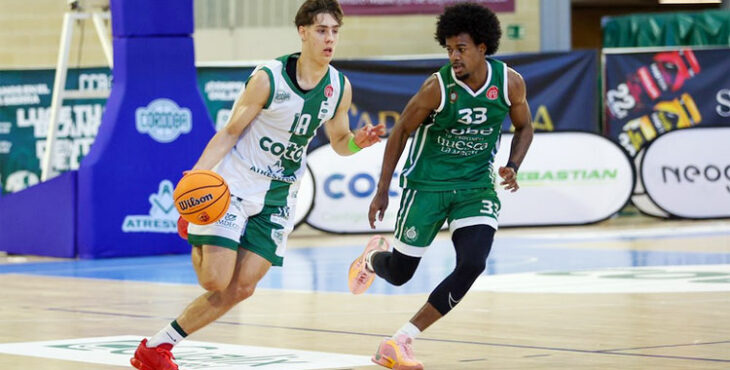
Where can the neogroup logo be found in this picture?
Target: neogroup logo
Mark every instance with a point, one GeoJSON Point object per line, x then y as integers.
{"type": "Point", "coordinates": [163, 120]}
{"type": "Point", "coordinates": [687, 172]}
{"type": "Point", "coordinates": [162, 217]}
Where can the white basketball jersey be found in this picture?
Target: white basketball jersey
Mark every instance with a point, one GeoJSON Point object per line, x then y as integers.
{"type": "Point", "coordinates": [270, 156]}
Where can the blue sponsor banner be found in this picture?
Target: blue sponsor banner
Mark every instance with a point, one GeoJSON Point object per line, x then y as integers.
{"type": "Point", "coordinates": [652, 92]}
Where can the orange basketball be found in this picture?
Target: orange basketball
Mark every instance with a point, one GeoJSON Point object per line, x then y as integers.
{"type": "Point", "coordinates": [202, 197]}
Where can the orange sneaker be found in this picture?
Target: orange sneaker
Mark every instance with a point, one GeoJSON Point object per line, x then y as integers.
{"type": "Point", "coordinates": [397, 354]}
{"type": "Point", "coordinates": [155, 358]}
{"type": "Point", "coordinates": [361, 277]}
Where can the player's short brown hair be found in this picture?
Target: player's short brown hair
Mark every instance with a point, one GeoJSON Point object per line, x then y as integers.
{"type": "Point", "coordinates": [311, 8]}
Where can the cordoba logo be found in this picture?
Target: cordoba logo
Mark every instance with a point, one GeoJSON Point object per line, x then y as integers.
{"type": "Point", "coordinates": [163, 120]}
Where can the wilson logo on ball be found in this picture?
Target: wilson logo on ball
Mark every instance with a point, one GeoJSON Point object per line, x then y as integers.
{"type": "Point", "coordinates": [193, 201]}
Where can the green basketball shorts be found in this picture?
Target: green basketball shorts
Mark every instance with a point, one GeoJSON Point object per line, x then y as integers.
{"type": "Point", "coordinates": [422, 213]}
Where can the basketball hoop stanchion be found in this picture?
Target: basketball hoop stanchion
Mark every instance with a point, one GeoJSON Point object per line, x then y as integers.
{"type": "Point", "coordinates": [80, 10]}
{"type": "Point", "coordinates": [119, 203]}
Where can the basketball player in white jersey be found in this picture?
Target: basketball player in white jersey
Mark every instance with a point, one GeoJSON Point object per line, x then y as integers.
{"type": "Point", "coordinates": [261, 154]}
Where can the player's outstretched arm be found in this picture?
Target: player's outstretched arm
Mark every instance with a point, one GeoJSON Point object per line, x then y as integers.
{"type": "Point", "coordinates": [343, 141]}
{"type": "Point", "coordinates": [244, 110]}
{"type": "Point", "coordinates": [426, 100]}
{"type": "Point", "coordinates": [519, 113]}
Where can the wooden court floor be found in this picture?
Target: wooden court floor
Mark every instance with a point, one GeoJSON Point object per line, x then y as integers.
{"type": "Point", "coordinates": [491, 329]}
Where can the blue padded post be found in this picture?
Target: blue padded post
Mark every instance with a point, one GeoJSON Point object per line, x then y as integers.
{"type": "Point", "coordinates": [154, 127]}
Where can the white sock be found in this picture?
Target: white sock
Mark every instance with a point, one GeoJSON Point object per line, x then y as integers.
{"type": "Point", "coordinates": [369, 260]}
{"type": "Point", "coordinates": [168, 334]}
{"type": "Point", "coordinates": [408, 329]}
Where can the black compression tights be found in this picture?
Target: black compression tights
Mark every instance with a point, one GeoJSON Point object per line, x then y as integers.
{"type": "Point", "coordinates": [395, 267]}
{"type": "Point", "coordinates": [472, 244]}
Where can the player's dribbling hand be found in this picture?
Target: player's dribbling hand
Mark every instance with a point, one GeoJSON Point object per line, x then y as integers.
{"type": "Point", "coordinates": [377, 207]}
{"type": "Point", "coordinates": [369, 135]}
{"type": "Point", "coordinates": [509, 178]}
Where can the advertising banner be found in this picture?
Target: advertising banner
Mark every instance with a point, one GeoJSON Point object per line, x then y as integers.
{"type": "Point", "coordinates": [346, 185]}
{"type": "Point", "coordinates": [687, 173]}
{"type": "Point", "coordinates": [561, 88]}
{"type": "Point", "coordinates": [220, 87]}
{"type": "Point", "coordinates": [567, 178]}
{"type": "Point", "coordinates": [653, 92]}
{"type": "Point", "coordinates": [381, 88]}
{"type": "Point", "coordinates": [25, 98]}
{"type": "Point", "coordinates": [391, 7]}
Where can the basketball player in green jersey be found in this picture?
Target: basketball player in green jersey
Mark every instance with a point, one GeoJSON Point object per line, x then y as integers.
{"type": "Point", "coordinates": [261, 154]}
{"type": "Point", "coordinates": [457, 117]}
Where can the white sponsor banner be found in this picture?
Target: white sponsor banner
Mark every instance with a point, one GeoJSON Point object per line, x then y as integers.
{"type": "Point", "coordinates": [305, 197]}
{"type": "Point", "coordinates": [567, 178]}
{"type": "Point", "coordinates": [687, 172]}
{"type": "Point", "coordinates": [655, 279]}
{"type": "Point", "coordinates": [189, 354]}
{"type": "Point", "coordinates": [640, 198]}
{"type": "Point", "coordinates": [346, 185]}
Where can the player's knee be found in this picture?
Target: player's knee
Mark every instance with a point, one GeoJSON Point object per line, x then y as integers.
{"type": "Point", "coordinates": [211, 285]}
{"type": "Point", "coordinates": [243, 291]}
{"type": "Point", "coordinates": [472, 268]}
{"type": "Point", "coordinates": [212, 281]}
{"type": "Point", "coordinates": [400, 277]}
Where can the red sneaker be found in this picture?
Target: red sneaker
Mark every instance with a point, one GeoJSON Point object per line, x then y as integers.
{"type": "Point", "coordinates": [182, 228]}
{"type": "Point", "coordinates": [155, 358]}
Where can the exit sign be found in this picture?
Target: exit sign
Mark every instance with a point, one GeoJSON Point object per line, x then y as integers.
{"type": "Point", "coordinates": [515, 31]}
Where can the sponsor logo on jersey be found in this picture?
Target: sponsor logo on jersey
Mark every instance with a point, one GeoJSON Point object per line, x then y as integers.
{"type": "Point", "coordinates": [492, 93]}
{"type": "Point", "coordinates": [324, 111]}
{"type": "Point", "coordinates": [453, 96]}
{"type": "Point", "coordinates": [163, 120]}
{"type": "Point", "coordinates": [281, 96]}
{"type": "Point", "coordinates": [228, 221]}
{"type": "Point", "coordinates": [329, 91]}
{"type": "Point", "coordinates": [290, 151]}
{"type": "Point", "coordinates": [463, 147]}
{"type": "Point", "coordinates": [411, 233]}
{"type": "Point", "coordinates": [277, 235]}
{"type": "Point", "coordinates": [471, 131]}
{"type": "Point", "coordinates": [281, 216]}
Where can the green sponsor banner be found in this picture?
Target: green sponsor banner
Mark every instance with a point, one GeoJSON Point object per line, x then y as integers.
{"type": "Point", "coordinates": [220, 88]}
{"type": "Point", "coordinates": [25, 99]}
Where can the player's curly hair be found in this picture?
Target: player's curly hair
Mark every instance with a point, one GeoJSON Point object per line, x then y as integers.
{"type": "Point", "coordinates": [309, 10]}
{"type": "Point", "coordinates": [477, 21]}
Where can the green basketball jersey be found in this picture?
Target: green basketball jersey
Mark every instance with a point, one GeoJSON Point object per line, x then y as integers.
{"type": "Point", "coordinates": [456, 145]}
